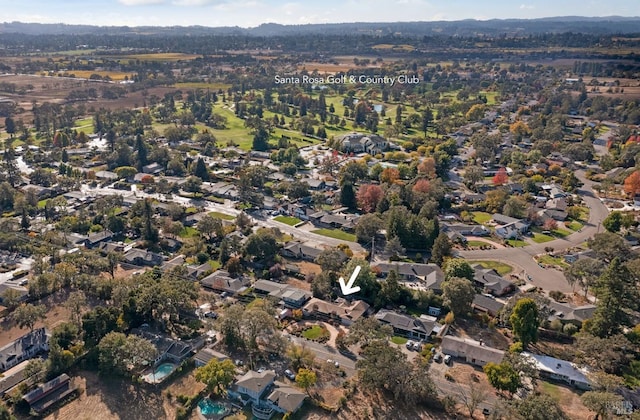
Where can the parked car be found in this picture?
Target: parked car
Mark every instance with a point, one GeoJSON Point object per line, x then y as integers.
{"type": "Point", "coordinates": [417, 346]}
{"type": "Point", "coordinates": [486, 411]}
{"type": "Point", "coordinates": [409, 345]}
{"type": "Point", "coordinates": [437, 358]}
{"type": "Point", "coordinates": [211, 315]}
{"type": "Point", "coordinates": [447, 359]}
{"type": "Point", "coordinates": [333, 362]}
{"type": "Point", "coordinates": [289, 374]}
{"type": "Point", "coordinates": [239, 362]}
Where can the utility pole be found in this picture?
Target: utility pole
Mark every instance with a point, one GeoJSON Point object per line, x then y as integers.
{"type": "Point", "coordinates": [373, 248]}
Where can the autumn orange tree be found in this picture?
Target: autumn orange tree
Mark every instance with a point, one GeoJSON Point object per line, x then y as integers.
{"type": "Point", "coordinates": [501, 177]}
{"type": "Point", "coordinates": [368, 197]}
{"type": "Point", "coordinates": [632, 184]}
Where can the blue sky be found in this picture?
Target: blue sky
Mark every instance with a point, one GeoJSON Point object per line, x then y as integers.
{"type": "Point", "coordinates": [250, 13]}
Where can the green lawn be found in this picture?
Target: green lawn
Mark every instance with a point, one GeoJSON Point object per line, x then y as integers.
{"type": "Point", "coordinates": [222, 216]}
{"type": "Point", "coordinates": [553, 261]}
{"type": "Point", "coordinates": [188, 232]}
{"type": "Point", "coordinates": [288, 220]}
{"type": "Point", "coordinates": [574, 225]}
{"type": "Point", "coordinates": [541, 238]}
{"type": "Point", "coordinates": [477, 243]}
{"type": "Point", "coordinates": [336, 234]}
{"type": "Point", "coordinates": [42, 203]}
{"type": "Point", "coordinates": [561, 232]}
{"type": "Point", "coordinates": [516, 243]}
{"type": "Point", "coordinates": [500, 267]}
{"type": "Point", "coordinates": [314, 332]}
{"type": "Point", "coordinates": [398, 340]}
{"type": "Point", "coordinates": [481, 217]}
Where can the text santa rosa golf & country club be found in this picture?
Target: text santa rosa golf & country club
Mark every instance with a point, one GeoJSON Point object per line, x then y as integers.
{"type": "Point", "coordinates": [402, 79]}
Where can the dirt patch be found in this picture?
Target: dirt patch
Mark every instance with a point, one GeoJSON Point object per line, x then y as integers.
{"type": "Point", "coordinates": [112, 398]}
{"type": "Point", "coordinates": [309, 268]}
{"type": "Point", "coordinates": [476, 330]}
{"type": "Point", "coordinates": [300, 284]}
{"type": "Point", "coordinates": [568, 399]}
{"type": "Point", "coordinates": [56, 314]}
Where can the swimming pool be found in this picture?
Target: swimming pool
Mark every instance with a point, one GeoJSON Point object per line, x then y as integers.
{"type": "Point", "coordinates": [161, 371]}
{"type": "Point", "coordinates": [213, 409]}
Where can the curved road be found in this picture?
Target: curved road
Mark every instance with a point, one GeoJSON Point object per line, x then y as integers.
{"type": "Point", "coordinates": [550, 279]}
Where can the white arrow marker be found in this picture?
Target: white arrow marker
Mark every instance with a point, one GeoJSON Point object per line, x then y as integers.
{"type": "Point", "coordinates": [349, 288]}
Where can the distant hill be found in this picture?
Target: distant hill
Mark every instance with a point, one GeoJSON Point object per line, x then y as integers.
{"type": "Point", "coordinates": [494, 27]}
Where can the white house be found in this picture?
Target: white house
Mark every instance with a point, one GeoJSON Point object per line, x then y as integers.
{"type": "Point", "coordinates": [560, 370]}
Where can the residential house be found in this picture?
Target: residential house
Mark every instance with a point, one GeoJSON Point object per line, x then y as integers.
{"type": "Point", "coordinates": [372, 144]}
{"type": "Point", "coordinates": [300, 251]}
{"type": "Point", "coordinates": [430, 274]}
{"type": "Point", "coordinates": [95, 239]}
{"type": "Point", "coordinates": [346, 312]}
{"type": "Point", "coordinates": [466, 230]}
{"type": "Point", "coordinates": [50, 393]}
{"type": "Point", "coordinates": [560, 370]}
{"type": "Point", "coordinates": [24, 348]}
{"type": "Point", "coordinates": [175, 262]}
{"type": "Point", "coordinates": [166, 347]}
{"type": "Point", "coordinates": [486, 304]}
{"type": "Point", "coordinates": [142, 258]}
{"type": "Point", "coordinates": [407, 326]}
{"type": "Point", "coordinates": [325, 219]}
{"type": "Point", "coordinates": [152, 168]}
{"type": "Point", "coordinates": [568, 313]}
{"type": "Point", "coordinates": [265, 395]}
{"type": "Point", "coordinates": [207, 354]}
{"type": "Point", "coordinates": [491, 281]}
{"type": "Point", "coordinates": [472, 351]}
{"type": "Point", "coordinates": [509, 227]}
{"type": "Point", "coordinates": [289, 296]}
{"type": "Point", "coordinates": [107, 175]}
{"type": "Point", "coordinates": [314, 184]}
{"type": "Point", "coordinates": [221, 281]}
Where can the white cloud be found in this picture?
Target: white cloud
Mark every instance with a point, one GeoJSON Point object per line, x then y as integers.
{"type": "Point", "coordinates": [527, 7]}
{"type": "Point", "coordinates": [139, 2]}
{"type": "Point", "coordinates": [196, 2]}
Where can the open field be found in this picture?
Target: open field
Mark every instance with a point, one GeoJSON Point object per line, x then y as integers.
{"type": "Point", "coordinates": [336, 234]}
{"type": "Point", "coordinates": [291, 221]}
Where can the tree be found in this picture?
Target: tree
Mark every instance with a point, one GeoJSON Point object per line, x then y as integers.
{"type": "Point", "coordinates": [27, 315]}
{"type": "Point", "coordinates": [473, 175]}
{"type": "Point", "coordinates": [368, 197]}
{"type": "Point", "coordinates": [441, 248]}
{"type": "Point", "coordinates": [75, 303]}
{"type": "Point", "coordinates": [305, 379]}
{"type": "Point", "coordinates": [216, 375]}
{"type": "Point", "coordinates": [10, 126]}
{"type": "Point", "coordinates": [367, 227]}
{"type": "Point", "coordinates": [457, 267]}
{"type": "Point", "coordinates": [609, 354]}
{"type": "Point", "coordinates": [331, 259]}
{"type": "Point", "coordinates": [201, 170]}
{"type": "Point", "coordinates": [613, 222]}
{"type": "Point", "coordinates": [601, 402]}
{"type": "Point", "coordinates": [525, 321]}
{"type": "Point", "coordinates": [11, 298]}
{"type": "Point", "coordinates": [367, 330]}
{"type": "Point", "coordinates": [262, 245]}
{"type": "Point", "coordinates": [347, 195]}
{"type": "Point", "coordinates": [502, 377]}
{"type": "Point", "coordinates": [501, 177]}
{"type": "Point", "coordinates": [495, 200]}
{"type": "Point", "coordinates": [261, 139]}
{"type": "Point", "coordinates": [515, 207]}
{"type": "Point", "coordinates": [300, 357]}
{"type": "Point", "coordinates": [458, 294]}
{"type": "Point", "coordinates": [632, 184]}
{"type": "Point", "coordinates": [390, 291]}
{"type": "Point", "coordinates": [584, 273]}
{"type": "Point", "coordinates": [608, 246]}
{"type": "Point", "coordinates": [119, 353]}
{"type": "Point", "coordinates": [617, 293]}
{"type": "Point", "coordinates": [210, 226]}
{"type": "Point", "coordinates": [474, 396]}
{"type": "Point", "coordinates": [36, 369]}
{"type": "Point", "coordinates": [540, 406]}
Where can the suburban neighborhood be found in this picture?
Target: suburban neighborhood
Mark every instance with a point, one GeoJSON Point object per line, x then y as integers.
{"type": "Point", "coordinates": [205, 243]}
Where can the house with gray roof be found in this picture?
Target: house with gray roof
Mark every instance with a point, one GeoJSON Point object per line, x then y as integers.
{"type": "Point", "coordinates": [408, 326]}
{"type": "Point", "coordinates": [486, 304]}
{"type": "Point", "coordinates": [221, 281]}
{"type": "Point", "coordinates": [289, 296]}
{"type": "Point", "coordinates": [491, 281]}
{"type": "Point", "coordinates": [472, 351]}
{"type": "Point", "coordinates": [24, 348]}
{"type": "Point", "coordinates": [430, 274]}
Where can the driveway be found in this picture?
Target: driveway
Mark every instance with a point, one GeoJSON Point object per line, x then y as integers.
{"type": "Point", "coordinates": [548, 278]}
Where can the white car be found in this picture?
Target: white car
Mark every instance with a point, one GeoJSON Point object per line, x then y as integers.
{"type": "Point", "coordinates": [447, 359]}
{"type": "Point", "coordinates": [409, 345]}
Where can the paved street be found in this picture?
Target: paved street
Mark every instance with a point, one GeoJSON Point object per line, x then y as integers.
{"type": "Point", "coordinates": [324, 352]}
{"type": "Point", "coordinates": [549, 279]}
